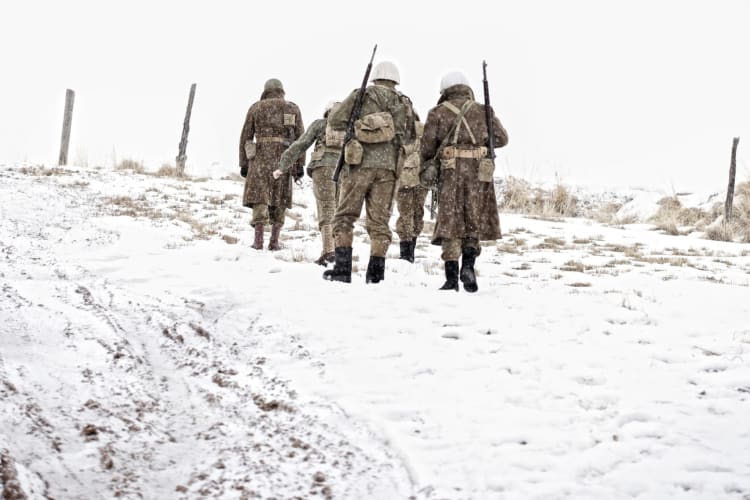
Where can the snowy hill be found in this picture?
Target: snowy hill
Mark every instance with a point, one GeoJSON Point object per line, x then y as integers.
{"type": "Point", "coordinates": [147, 352]}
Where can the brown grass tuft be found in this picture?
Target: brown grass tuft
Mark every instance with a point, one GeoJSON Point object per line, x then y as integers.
{"type": "Point", "coordinates": [519, 196]}
{"type": "Point", "coordinates": [672, 215]}
{"type": "Point", "coordinates": [167, 170]}
{"type": "Point", "coordinates": [129, 164]}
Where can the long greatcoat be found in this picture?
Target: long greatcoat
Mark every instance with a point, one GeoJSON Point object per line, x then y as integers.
{"type": "Point", "coordinates": [467, 208]}
{"type": "Point", "coordinates": [269, 121]}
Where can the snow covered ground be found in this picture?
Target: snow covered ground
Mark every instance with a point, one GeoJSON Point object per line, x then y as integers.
{"type": "Point", "coordinates": [147, 352]}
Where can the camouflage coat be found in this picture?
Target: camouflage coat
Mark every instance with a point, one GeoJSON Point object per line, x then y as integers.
{"type": "Point", "coordinates": [273, 123]}
{"type": "Point", "coordinates": [379, 98]}
{"type": "Point", "coordinates": [467, 208]}
{"type": "Point", "coordinates": [322, 156]}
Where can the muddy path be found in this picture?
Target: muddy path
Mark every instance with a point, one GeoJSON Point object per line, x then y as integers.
{"type": "Point", "coordinates": [111, 391]}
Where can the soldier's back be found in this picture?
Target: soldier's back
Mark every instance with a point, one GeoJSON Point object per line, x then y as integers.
{"type": "Point", "coordinates": [274, 116]}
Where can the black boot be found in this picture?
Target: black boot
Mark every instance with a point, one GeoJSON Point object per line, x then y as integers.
{"type": "Point", "coordinates": [405, 247]}
{"type": "Point", "coordinates": [375, 270]}
{"type": "Point", "coordinates": [413, 248]}
{"type": "Point", "coordinates": [451, 275]}
{"type": "Point", "coordinates": [342, 266]}
{"type": "Point", "coordinates": [468, 278]}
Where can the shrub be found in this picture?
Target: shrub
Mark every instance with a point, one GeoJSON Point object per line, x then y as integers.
{"type": "Point", "coordinates": [130, 164]}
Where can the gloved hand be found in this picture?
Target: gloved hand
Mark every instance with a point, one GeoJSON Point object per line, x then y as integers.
{"type": "Point", "coordinates": [243, 171]}
{"type": "Point", "coordinates": [429, 176]}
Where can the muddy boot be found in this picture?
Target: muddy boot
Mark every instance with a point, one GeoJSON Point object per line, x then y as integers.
{"type": "Point", "coordinates": [468, 278]}
{"type": "Point", "coordinates": [375, 270]}
{"type": "Point", "coordinates": [273, 243]}
{"type": "Point", "coordinates": [406, 250]}
{"type": "Point", "coordinates": [342, 266]}
{"type": "Point", "coordinates": [258, 243]}
{"type": "Point", "coordinates": [327, 255]}
{"type": "Point", "coordinates": [451, 275]}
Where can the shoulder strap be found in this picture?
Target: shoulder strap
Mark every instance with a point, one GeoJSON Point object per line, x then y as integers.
{"type": "Point", "coordinates": [454, 128]}
{"type": "Point", "coordinates": [462, 121]}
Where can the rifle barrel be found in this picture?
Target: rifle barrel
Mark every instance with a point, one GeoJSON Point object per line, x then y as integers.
{"type": "Point", "coordinates": [353, 116]}
{"type": "Point", "coordinates": [488, 113]}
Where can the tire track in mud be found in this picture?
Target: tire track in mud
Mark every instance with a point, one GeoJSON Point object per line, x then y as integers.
{"type": "Point", "coordinates": [159, 396]}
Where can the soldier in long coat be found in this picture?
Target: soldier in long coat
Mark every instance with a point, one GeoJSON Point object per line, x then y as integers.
{"type": "Point", "coordinates": [467, 206]}
{"type": "Point", "coordinates": [385, 124]}
{"type": "Point", "coordinates": [322, 164]}
{"type": "Point", "coordinates": [271, 125]}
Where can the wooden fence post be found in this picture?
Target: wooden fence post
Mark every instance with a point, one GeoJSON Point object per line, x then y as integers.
{"type": "Point", "coordinates": [181, 156]}
{"type": "Point", "coordinates": [67, 122]}
{"type": "Point", "coordinates": [732, 174]}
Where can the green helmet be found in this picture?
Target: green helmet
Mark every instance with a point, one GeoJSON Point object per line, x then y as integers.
{"type": "Point", "coordinates": [273, 84]}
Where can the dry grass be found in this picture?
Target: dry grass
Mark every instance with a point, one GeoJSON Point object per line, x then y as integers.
{"type": "Point", "coordinates": [607, 213]}
{"type": "Point", "coordinates": [132, 207]}
{"type": "Point", "coordinates": [738, 227]}
{"type": "Point", "coordinates": [129, 164]}
{"type": "Point", "coordinates": [167, 170]}
{"type": "Point", "coordinates": [575, 266]}
{"type": "Point", "coordinates": [741, 211]}
{"type": "Point", "coordinates": [41, 170]}
{"type": "Point", "coordinates": [579, 284]}
{"type": "Point", "coordinates": [519, 196]}
{"type": "Point", "coordinates": [200, 230]}
{"type": "Point", "coordinates": [720, 232]}
{"type": "Point", "coordinates": [672, 215]}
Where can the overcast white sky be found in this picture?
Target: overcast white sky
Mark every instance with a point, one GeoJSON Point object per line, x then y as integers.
{"type": "Point", "coordinates": [637, 92]}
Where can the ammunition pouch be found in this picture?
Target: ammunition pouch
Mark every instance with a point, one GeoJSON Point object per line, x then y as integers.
{"type": "Point", "coordinates": [408, 165]}
{"type": "Point", "coordinates": [334, 138]}
{"type": "Point", "coordinates": [375, 128]}
{"type": "Point", "coordinates": [486, 170]}
{"type": "Point", "coordinates": [250, 150]}
{"type": "Point", "coordinates": [317, 154]}
{"type": "Point", "coordinates": [353, 153]}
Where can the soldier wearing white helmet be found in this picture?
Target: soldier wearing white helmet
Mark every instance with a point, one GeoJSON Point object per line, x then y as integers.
{"type": "Point", "coordinates": [386, 71]}
{"type": "Point", "coordinates": [451, 79]}
{"type": "Point", "coordinates": [385, 125]}
{"type": "Point", "coordinates": [456, 134]}
{"type": "Point", "coordinates": [322, 163]}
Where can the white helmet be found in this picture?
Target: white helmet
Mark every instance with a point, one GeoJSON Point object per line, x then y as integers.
{"type": "Point", "coordinates": [330, 105]}
{"type": "Point", "coordinates": [453, 78]}
{"type": "Point", "coordinates": [386, 70]}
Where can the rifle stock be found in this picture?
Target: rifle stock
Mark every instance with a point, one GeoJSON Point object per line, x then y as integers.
{"type": "Point", "coordinates": [353, 117]}
{"type": "Point", "coordinates": [488, 114]}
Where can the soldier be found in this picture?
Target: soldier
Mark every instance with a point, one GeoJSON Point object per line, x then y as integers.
{"type": "Point", "coordinates": [274, 123]}
{"type": "Point", "coordinates": [322, 163]}
{"type": "Point", "coordinates": [456, 130]}
{"type": "Point", "coordinates": [410, 199]}
{"type": "Point", "coordinates": [386, 122]}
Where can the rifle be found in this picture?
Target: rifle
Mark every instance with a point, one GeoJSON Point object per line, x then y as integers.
{"type": "Point", "coordinates": [353, 116]}
{"type": "Point", "coordinates": [433, 202]}
{"type": "Point", "coordinates": [488, 114]}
